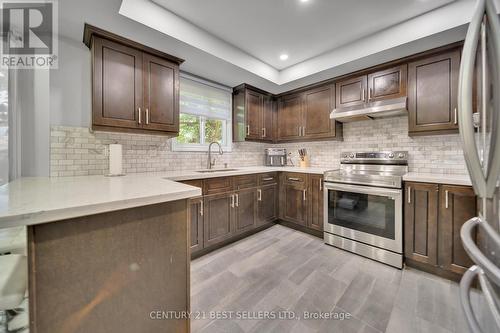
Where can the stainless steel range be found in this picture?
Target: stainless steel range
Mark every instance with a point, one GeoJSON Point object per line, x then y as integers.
{"type": "Point", "coordinates": [364, 205]}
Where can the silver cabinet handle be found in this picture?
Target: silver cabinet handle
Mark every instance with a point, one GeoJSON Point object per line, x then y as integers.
{"type": "Point", "coordinates": [267, 179]}
{"type": "Point", "coordinates": [232, 200]}
{"type": "Point", "coordinates": [320, 185]}
{"type": "Point", "coordinates": [369, 94]}
{"type": "Point", "coordinates": [456, 116]}
{"type": "Point", "coordinates": [446, 199]}
{"type": "Point", "coordinates": [248, 130]}
{"type": "Point", "coordinates": [237, 200]}
{"type": "Point", "coordinates": [409, 194]}
{"type": "Point", "coordinates": [364, 95]}
{"type": "Point", "coordinates": [294, 179]}
{"type": "Point", "coordinates": [304, 195]}
{"type": "Point", "coordinates": [264, 132]}
{"type": "Point", "coordinates": [259, 195]}
{"type": "Point", "coordinates": [139, 115]}
{"type": "Point", "coordinates": [147, 116]}
{"type": "Point", "coordinates": [201, 208]}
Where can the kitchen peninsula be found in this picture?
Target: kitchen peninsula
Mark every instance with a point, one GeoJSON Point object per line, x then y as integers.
{"type": "Point", "coordinates": [98, 244]}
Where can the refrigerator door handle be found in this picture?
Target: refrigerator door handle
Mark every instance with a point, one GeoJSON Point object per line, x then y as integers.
{"type": "Point", "coordinates": [484, 184]}
{"type": "Point", "coordinates": [490, 269]}
{"type": "Point", "coordinates": [489, 295]}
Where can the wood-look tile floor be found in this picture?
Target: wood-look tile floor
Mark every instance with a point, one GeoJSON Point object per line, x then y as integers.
{"type": "Point", "coordinates": [283, 269]}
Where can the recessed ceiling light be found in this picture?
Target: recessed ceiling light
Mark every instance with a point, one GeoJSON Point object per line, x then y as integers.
{"type": "Point", "coordinates": [284, 56]}
{"type": "Point", "coordinates": [304, 0]}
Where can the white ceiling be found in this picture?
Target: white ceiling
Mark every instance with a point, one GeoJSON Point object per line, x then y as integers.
{"type": "Point", "coordinates": [265, 29]}
{"type": "Point", "coordinates": [219, 56]}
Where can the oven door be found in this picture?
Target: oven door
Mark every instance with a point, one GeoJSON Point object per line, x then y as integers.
{"type": "Point", "coordinates": [371, 215]}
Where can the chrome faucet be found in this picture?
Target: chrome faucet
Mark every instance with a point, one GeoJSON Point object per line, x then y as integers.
{"type": "Point", "coordinates": [211, 163]}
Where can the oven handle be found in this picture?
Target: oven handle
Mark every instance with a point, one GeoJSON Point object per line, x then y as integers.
{"type": "Point", "coordinates": [392, 193]}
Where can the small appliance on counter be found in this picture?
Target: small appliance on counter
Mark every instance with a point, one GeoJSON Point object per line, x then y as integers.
{"type": "Point", "coordinates": [276, 157]}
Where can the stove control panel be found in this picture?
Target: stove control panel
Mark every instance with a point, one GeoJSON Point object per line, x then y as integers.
{"type": "Point", "coordinates": [382, 157]}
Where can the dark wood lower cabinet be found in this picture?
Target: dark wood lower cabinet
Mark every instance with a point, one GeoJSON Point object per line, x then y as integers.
{"type": "Point", "coordinates": [457, 204]}
{"type": "Point", "coordinates": [316, 200]}
{"type": "Point", "coordinates": [195, 218]}
{"type": "Point", "coordinates": [245, 210]}
{"type": "Point", "coordinates": [293, 203]}
{"type": "Point", "coordinates": [218, 212]}
{"type": "Point", "coordinates": [267, 199]}
{"type": "Point", "coordinates": [421, 216]}
{"type": "Point", "coordinates": [434, 215]}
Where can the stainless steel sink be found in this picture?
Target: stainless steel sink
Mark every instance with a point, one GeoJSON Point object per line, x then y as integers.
{"type": "Point", "coordinates": [215, 170]}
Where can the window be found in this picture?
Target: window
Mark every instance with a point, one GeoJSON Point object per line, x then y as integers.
{"type": "Point", "coordinates": [4, 126]}
{"type": "Point", "coordinates": [205, 115]}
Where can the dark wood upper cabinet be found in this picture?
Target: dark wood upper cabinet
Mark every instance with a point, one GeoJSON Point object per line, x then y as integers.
{"type": "Point", "coordinates": [267, 199]}
{"type": "Point", "coordinates": [117, 84]}
{"type": "Point", "coordinates": [195, 218]}
{"type": "Point", "coordinates": [457, 204]}
{"type": "Point", "coordinates": [290, 117]}
{"type": "Point", "coordinates": [218, 216]}
{"type": "Point", "coordinates": [316, 205]}
{"type": "Point", "coordinates": [253, 114]}
{"type": "Point", "coordinates": [387, 84]}
{"type": "Point", "coordinates": [245, 216]}
{"type": "Point", "coordinates": [432, 94]}
{"type": "Point", "coordinates": [351, 92]}
{"type": "Point", "coordinates": [161, 94]}
{"type": "Point", "coordinates": [134, 88]}
{"type": "Point", "coordinates": [420, 222]}
{"type": "Point", "coordinates": [318, 104]}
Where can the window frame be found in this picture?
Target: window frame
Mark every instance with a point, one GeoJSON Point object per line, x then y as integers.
{"type": "Point", "coordinates": [227, 134]}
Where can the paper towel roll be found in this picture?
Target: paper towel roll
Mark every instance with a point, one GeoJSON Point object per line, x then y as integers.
{"type": "Point", "coordinates": [115, 159]}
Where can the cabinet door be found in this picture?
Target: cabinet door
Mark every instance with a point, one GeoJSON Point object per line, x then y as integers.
{"type": "Point", "coordinates": [290, 117]}
{"type": "Point", "coordinates": [161, 94]}
{"type": "Point", "coordinates": [246, 210]}
{"type": "Point", "coordinates": [351, 92]}
{"type": "Point", "coordinates": [421, 216]}
{"type": "Point", "coordinates": [293, 197]}
{"type": "Point", "coordinates": [387, 84]}
{"type": "Point", "coordinates": [253, 114]}
{"type": "Point", "coordinates": [268, 115]}
{"type": "Point", "coordinates": [239, 127]}
{"type": "Point", "coordinates": [318, 104]}
{"type": "Point", "coordinates": [195, 218]}
{"type": "Point", "coordinates": [432, 94]}
{"type": "Point", "coordinates": [217, 218]}
{"type": "Point", "coordinates": [457, 204]}
{"type": "Point", "coordinates": [316, 200]}
{"type": "Point", "coordinates": [267, 198]}
{"type": "Point", "coordinates": [117, 85]}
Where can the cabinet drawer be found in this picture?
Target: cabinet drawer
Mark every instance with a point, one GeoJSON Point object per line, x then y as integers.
{"type": "Point", "coordinates": [245, 181]}
{"type": "Point", "coordinates": [217, 185]}
{"type": "Point", "coordinates": [193, 182]}
{"type": "Point", "coordinates": [293, 178]}
{"type": "Point", "coordinates": [268, 178]}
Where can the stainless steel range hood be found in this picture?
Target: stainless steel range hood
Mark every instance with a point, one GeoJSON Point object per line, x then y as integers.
{"type": "Point", "coordinates": [379, 109]}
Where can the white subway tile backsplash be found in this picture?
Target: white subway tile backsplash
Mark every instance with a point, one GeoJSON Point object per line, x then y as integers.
{"type": "Point", "coordinates": [79, 151]}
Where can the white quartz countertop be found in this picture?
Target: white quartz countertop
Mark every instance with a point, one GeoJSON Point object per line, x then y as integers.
{"type": "Point", "coordinates": [438, 179]}
{"type": "Point", "coordinates": [29, 201]}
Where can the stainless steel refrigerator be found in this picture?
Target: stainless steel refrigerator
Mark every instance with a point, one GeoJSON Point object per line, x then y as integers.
{"type": "Point", "coordinates": [479, 121]}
